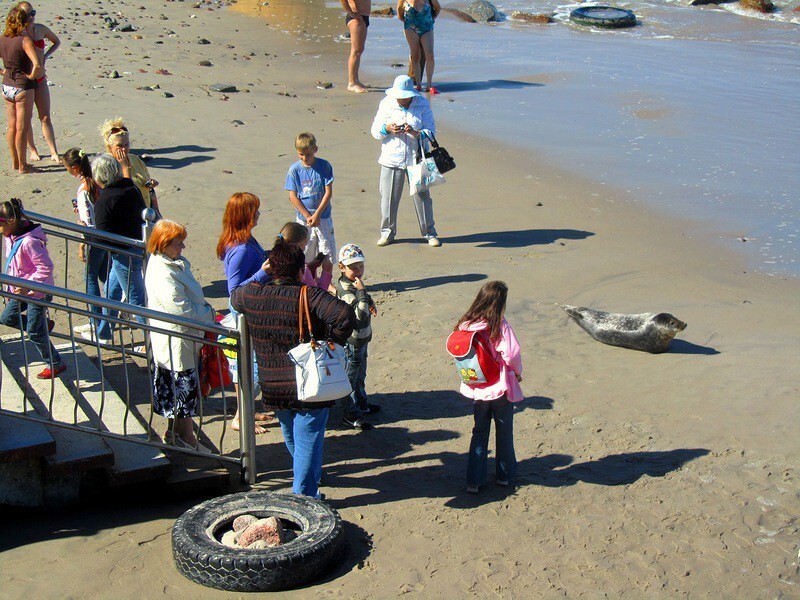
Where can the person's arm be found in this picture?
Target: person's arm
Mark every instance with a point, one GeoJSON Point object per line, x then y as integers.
{"type": "Point", "coordinates": [237, 266]}
{"type": "Point", "coordinates": [43, 265]}
{"type": "Point", "coordinates": [508, 349]}
{"type": "Point", "coordinates": [401, 10]}
{"type": "Point", "coordinates": [337, 316]}
{"type": "Point", "coordinates": [102, 215]}
{"type": "Point", "coordinates": [298, 204]}
{"type": "Point", "coordinates": [379, 129]}
{"type": "Point", "coordinates": [37, 70]}
{"type": "Point", "coordinates": [179, 302]}
{"type": "Point", "coordinates": [53, 39]}
{"type": "Point", "coordinates": [323, 204]}
{"type": "Point", "coordinates": [350, 10]}
{"type": "Point", "coordinates": [435, 8]}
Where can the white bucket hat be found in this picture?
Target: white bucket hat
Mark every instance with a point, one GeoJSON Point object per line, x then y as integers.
{"type": "Point", "coordinates": [403, 87]}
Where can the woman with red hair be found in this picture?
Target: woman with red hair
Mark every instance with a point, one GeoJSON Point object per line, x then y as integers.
{"type": "Point", "coordinates": [172, 289]}
{"type": "Point", "coordinates": [245, 261]}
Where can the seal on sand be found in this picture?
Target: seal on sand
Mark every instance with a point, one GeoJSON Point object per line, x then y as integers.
{"type": "Point", "coordinates": [648, 332]}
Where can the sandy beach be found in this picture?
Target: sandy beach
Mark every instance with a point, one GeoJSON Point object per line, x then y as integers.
{"type": "Point", "coordinates": [640, 475]}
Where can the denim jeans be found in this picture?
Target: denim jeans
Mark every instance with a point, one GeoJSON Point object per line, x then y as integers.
{"type": "Point", "coordinates": [304, 434]}
{"type": "Point", "coordinates": [502, 411]}
{"type": "Point", "coordinates": [125, 276]}
{"type": "Point", "coordinates": [354, 406]}
{"type": "Point", "coordinates": [96, 272]}
{"type": "Point", "coordinates": [34, 323]}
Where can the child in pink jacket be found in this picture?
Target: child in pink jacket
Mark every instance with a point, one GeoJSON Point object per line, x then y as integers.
{"type": "Point", "coordinates": [493, 401]}
{"type": "Point", "coordinates": [26, 257]}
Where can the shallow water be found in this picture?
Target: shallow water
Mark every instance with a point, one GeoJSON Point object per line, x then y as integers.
{"type": "Point", "coordinates": [694, 110]}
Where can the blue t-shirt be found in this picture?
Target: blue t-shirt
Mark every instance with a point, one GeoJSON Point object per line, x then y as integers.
{"type": "Point", "coordinates": [309, 184]}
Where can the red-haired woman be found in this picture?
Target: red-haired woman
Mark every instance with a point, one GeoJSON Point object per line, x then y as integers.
{"type": "Point", "coordinates": [21, 68]}
{"type": "Point", "coordinates": [244, 259]}
{"type": "Point", "coordinates": [171, 288]}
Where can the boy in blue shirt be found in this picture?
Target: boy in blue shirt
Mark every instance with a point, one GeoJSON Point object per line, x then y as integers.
{"type": "Point", "coordinates": [310, 185]}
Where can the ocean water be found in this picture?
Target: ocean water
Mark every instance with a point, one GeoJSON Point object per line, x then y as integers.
{"type": "Point", "coordinates": [694, 111]}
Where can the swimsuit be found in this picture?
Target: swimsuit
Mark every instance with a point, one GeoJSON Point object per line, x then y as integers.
{"type": "Point", "coordinates": [420, 22]}
{"type": "Point", "coordinates": [10, 92]}
{"type": "Point", "coordinates": [39, 44]}
{"type": "Point", "coordinates": [348, 18]}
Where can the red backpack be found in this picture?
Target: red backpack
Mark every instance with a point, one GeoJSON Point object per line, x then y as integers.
{"type": "Point", "coordinates": [473, 358]}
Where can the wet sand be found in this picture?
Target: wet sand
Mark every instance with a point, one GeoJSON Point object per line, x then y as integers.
{"type": "Point", "coordinates": [640, 475]}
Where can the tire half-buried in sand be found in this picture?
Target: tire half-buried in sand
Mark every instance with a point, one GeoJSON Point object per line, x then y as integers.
{"type": "Point", "coordinates": [609, 17]}
{"type": "Point", "coordinates": [648, 332]}
{"type": "Point", "coordinates": [200, 555]}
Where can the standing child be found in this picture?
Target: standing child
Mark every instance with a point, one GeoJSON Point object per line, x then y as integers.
{"type": "Point", "coordinates": [26, 257]}
{"type": "Point", "coordinates": [310, 185]}
{"type": "Point", "coordinates": [297, 235]}
{"type": "Point", "coordinates": [351, 289]}
{"type": "Point", "coordinates": [493, 400]}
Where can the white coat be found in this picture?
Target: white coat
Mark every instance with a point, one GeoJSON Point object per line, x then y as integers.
{"type": "Point", "coordinates": [171, 288]}
{"type": "Point", "coordinates": [399, 150]}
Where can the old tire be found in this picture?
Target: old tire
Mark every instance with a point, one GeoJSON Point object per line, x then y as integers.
{"type": "Point", "coordinates": [603, 16]}
{"type": "Point", "coordinates": [199, 555]}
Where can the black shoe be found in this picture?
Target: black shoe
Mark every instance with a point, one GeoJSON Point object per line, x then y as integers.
{"type": "Point", "coordinates": [359, 423]}
{"type": "Point", "coordinates": [373, 408]}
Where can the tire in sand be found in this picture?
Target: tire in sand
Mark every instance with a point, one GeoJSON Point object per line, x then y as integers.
{"type": "Point", "coordinates": [608, 17]}
{"type": "Point", "coordinates": [200, 556]}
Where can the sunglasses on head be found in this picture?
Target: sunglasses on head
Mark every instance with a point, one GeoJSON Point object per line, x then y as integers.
{"type": "Point", "coordinates": [117, 130]}
{"type": "Point", "coordinates": [32, 13]}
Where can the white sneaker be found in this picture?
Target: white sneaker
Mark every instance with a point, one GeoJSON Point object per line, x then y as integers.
{"type": "Point", "coordinates": [82, 328]}
{"type": "Point", "coordinates": [90, 335]}
{"type": "Point", "coordinates": [384, 241]}
{"type": "Point", "coordinates": [434, 241]}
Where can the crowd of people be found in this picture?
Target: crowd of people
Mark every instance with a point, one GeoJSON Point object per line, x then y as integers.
{"type": "Point", "coordinates": [264, 285]}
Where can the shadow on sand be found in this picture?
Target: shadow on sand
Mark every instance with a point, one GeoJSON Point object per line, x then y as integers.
{"type": "Point", "coordinates": [518, 239]}
{"type": "Point", "coordinates": [428, 282]}
{"type": "Point", "coordinates": [684, 347]}
{"type": "Point", "coordinates": [162, 162]}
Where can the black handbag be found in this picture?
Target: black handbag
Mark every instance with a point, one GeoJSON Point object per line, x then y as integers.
{"type": "Point", "coordinates": [444, 162]}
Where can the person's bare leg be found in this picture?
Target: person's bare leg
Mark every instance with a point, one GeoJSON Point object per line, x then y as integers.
{"type": "Point", "coordinates": [258, 417]}
{"type": "Point", "coordinates": [427, 46]}
{"type": "Point", "coordinates": [43, 108]}
{"type": "Point", "coordinates": [358, 39]}
{"type": "Point", "coordinates": [415, 50]}
{"type": "Point", "coordinates": [24, 110]}
{"type": "Point", "coordinates": [11, 132]}
{"type": "Point", "coordinates": [34, 153]}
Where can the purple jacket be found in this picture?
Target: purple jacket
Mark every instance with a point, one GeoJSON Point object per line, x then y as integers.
{"type": "Point", "coordinates": [31, 260]}
{"type": "Point", "coordinates": [243, 264]}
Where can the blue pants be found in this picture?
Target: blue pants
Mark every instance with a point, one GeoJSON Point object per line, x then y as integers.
{"type": "Point", "coordinates": [355, 406]}
{"type": "Point", "coordinates": [125, 276]}
{"type": "Point", "coordinates": [96, 271]}
{"type": "Point", "coordinates": [34, 323]}
{"type": "Point", "coordinates": [304, 434]}
{"type": "Point", "coordinates": [502, 411]}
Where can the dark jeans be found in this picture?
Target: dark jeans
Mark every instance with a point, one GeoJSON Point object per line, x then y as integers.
{"type": "Point", "coordinates": [502, 411]}
{"type": "Point", "coordinates": [354, 406]}
{"type": "Point", "coordinates": [34, 323]}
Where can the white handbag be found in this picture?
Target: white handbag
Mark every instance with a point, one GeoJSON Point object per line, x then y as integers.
{"type": "Point", "coordinates": [424, 174]}
{"type": "Point", "coordinates": [319, 367]}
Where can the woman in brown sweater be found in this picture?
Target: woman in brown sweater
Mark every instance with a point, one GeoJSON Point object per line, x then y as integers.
{"type": "Point", "coordinates": [271, 311]}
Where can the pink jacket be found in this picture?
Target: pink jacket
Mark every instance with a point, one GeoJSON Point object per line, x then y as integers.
{"type": "Point", "coordinates": [31, 260]}
{"type": "Point", "coordinates": [508, 356]}
{"type": "Point", "coordinates": [322, 282]}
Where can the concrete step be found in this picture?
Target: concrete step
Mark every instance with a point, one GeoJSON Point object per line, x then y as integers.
{"type": "Point", "coordinates": [132, 462]}
{"type": "Point", "coordinates": [22, 440]}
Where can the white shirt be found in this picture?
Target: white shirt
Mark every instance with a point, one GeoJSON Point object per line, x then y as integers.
{"type": "Point", "coordinates": [399, 150]}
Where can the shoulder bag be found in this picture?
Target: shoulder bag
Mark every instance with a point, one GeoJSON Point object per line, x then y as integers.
{"type": "Point", "coordinates": [444, 162]}
{"type": "Point", "coordinates": [319, 367]}
{"type": "Point", "coordinates": [423, 174]}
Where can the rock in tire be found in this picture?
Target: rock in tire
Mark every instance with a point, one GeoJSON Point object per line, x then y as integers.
{"type": "Point", "coordinates": [609, 17]}
{"type": "Point", "coordinates": [201, 557]}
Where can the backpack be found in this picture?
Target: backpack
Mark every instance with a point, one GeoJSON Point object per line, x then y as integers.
{"type": "Point", "coordinates": [473, 358]}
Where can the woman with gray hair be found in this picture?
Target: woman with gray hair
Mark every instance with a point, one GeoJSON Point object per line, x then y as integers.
{"type": "Point", "coordinates": [118, 210]}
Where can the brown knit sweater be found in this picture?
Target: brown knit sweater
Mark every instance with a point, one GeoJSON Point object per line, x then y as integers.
{"type": "Point", "coordinates": [271, 313]}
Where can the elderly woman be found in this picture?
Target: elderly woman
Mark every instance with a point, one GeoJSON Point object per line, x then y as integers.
{"type": "Point", "coordinates": [39, 32]}
{"type": "Point", "coordinates": [118, 144]}
{"type": "Point", "coordinates": [118, 210]}
{"type": "Point", "coordinates": [21, 68]}
{"type": "Point", "coordinates": [172, 289]}
{"type": "Point", "coordinates": [271, 311]}
{"type": "Point", "coordinates": [402, 117]}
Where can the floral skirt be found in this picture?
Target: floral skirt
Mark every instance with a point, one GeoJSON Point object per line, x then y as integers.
{"type": "Point", "coordinates": [175, 393]}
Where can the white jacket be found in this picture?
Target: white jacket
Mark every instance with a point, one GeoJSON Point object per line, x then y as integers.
{"type": "Point", "coordinates": [399, 150]}
{"type": "Point", "coordinates": [171, 288]}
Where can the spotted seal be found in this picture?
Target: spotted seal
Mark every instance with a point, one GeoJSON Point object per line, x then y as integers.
{"type": "Point", "coordinates": [648, 332]}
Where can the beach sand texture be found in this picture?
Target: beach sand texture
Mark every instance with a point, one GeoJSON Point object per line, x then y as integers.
{"type": "Point", "coordinates": [640, 475]}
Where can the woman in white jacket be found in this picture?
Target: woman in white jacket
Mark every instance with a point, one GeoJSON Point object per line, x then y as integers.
{"type": "Point", "coordinates": [402, 117]}
{"type": "Point", "coordinates": [171, 288]}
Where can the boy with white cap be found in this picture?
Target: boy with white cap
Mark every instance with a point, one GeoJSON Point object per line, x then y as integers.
{"type": "Point", "coordinates": [351, 289]}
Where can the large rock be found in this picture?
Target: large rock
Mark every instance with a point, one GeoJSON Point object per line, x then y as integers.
{"type": "Point", "coordinates": [518, 15]}
{"type": "Point", "coordinates": [459, 14]}
{"type": "Point", "coordinates": [764, 6]}
{"type": "Point", "coordinates": [386, 11]}
{"type": "Point", "coordinates": [483, 11]}
{"type": "Point", "coordinates": [269, 530]}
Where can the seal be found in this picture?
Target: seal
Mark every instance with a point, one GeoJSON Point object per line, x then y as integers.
{"type": "Point", "coordinates": [648, 332]}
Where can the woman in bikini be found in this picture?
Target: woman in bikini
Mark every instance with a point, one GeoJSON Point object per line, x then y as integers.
{"type": "Point", "coordinates": [39, 33]}
{"type": "Point", "coordinates": [418, 17]}
{"type": "Point", "coordinates": [21, 68]}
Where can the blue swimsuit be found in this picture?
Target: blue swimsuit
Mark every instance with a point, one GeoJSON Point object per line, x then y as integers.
{"type": "Point", "coordinates": [419, 22]}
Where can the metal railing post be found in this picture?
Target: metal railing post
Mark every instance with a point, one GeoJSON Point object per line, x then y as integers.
{"type": "Point", "coordinates": [247, 432]}
{"type": "Point", "coordinates": [149, 221]}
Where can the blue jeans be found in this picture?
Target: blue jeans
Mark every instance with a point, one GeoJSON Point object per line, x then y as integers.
{"type": "Point", "coordinates": [502, 411]}
{"type": "Point", "coordinates": [354, 406]}
{"type": "Point", "coordinates": [34, 323]}
{"type": "Point", "coordinates": [125, 275]}
{"type": "Point", "coordinates": [96, 271]}
{"type": "Point", "coordinates": [304, 433]}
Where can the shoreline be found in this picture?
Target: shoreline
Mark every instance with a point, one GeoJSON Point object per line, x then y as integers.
{"type": "Point", "coordinates": [667, 475]}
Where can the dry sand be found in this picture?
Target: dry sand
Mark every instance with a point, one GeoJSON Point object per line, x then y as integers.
{"type": "Point", "coordinates": [639, 475]}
